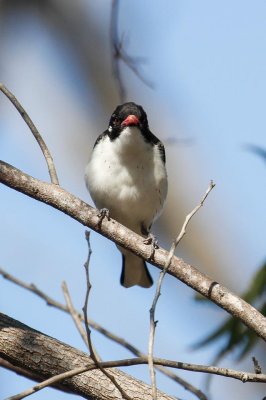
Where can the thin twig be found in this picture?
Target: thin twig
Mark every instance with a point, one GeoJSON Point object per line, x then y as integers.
{"type": "Point", "coordinates": [74, 314]}
{"type": "Point", "coordinates": [77, 318]}
{"type": "Point", "coordinates": [119, 54]}
{"type": "Point", "coordinates": [88, 288]}
{"type": "Point", "coordinates": [54, 303]}
{"type": "Point", "coordinates": [158, 289]}
{"type": "Point", "coordinates": [226, 372]}
{"type": "Point", "coordinates": [49, 382]}
{"type": "Point", "coordinates": [185, 384]}
{"type": "Point", "coordinates": [117, 339]}
{"type": "Point", "coordinates": [93, 355]}
{"type": "Point", "coordinates": [35, 132]}
{"type": "Point", "coordinates": [115, 48]}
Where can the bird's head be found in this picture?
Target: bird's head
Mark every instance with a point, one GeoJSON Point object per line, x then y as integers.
{"type": "Point", "coordinates": [128, 114]}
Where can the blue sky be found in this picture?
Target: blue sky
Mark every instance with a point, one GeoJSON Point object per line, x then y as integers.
{"type": "Point", "coordinates": [207, 61]}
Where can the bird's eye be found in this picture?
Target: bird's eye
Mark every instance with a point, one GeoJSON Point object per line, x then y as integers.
{"type": "Point", "coordinates": [115, 121]}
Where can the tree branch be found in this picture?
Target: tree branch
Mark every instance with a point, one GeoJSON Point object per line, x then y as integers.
{"type": "Point", "coordinates": [74, 314]}
{"type": "Point", "coordinates": [64, 201]}
{"type": "Point", "coordinates": [119, 54]}
{"type": "Point", "coordinates": [27, 374]}
{"type": "Point", "coordinates": [93, 354]}
{"type": "Point", "coordinates": [153, 323]}
{"type": "Point", "coordinates": [46, 357]}
{"type": "Point", "coordinates": [47, 155]}
{"type": "Point", "coordinates": [117, 339]}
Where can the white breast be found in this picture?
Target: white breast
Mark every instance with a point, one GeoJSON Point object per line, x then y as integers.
{"type": "Point", "coordinates": [128, 177]}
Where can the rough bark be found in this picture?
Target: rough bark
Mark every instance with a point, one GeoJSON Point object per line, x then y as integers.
{"type": "Point", "coordinates": [44, 356]}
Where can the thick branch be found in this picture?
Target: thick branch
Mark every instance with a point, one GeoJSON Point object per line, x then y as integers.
{"type": "Point", "coordinates": [69, 308]}
{"type": "Point", "coordinates": [34, 354]}
{"type": "Point", "coordinates": [45, 357]}
{"type": "Point", "coordinates": [74, 207]}
{"type": "Point", "coordinates": [27, 374]}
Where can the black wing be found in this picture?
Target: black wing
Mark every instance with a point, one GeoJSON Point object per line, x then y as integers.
{"type": "Point", "coordinates": [150, 137]}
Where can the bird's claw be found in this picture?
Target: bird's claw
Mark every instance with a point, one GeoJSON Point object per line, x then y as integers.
{"type": "Point", "coordinates": [104, 213]}
{"type": "Point", "coordinates": [151, 240]}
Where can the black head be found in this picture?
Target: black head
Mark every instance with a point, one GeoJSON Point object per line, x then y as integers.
{"type": "Point", "coordinates": [127, 114]}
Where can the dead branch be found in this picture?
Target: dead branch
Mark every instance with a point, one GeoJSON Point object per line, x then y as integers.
{"type": "Point", "coordinates": [35, 132]}
{"type": "Point", "coordinates": [47, 357]}
{"type": "Point", "coordinates": [119, 55]}
{"type": "Point", "coordinates": [93, 354]}
{"type": "Point", "coordinates": [159, 285]}
{"type": "Point", "coordinates": [117, 339]}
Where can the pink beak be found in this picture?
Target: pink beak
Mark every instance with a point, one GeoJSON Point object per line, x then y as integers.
{"type": "Point", "coordinates": [130, 120]}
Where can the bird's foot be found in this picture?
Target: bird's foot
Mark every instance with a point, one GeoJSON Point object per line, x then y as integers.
{"type": "Point", "coordinates": [153, 242]}
{"type": "Point", "coordinates": [104, 213]}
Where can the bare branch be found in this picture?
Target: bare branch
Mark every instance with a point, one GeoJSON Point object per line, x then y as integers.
{"type": "Point", "coordinates": [188, 218]}
{"type": "Point", "coordinates": [28, 374]}
{"type": "Point", "coordinates": [85, 307]}
{"type": "Point", "coordinates": [186, 385]}
{"type": "Point", "coordinates": [77, 209]}
{"type": "Point", "coordinates": [239, 375]}
{"type": "Point", "coordinates": [49, 382]}
{"type": "Point", "coordinates": [35, 132]}
{"type": "Point", "coordinates": [74, 314]}
{"type": "Point", "coordinates": [115, 47]}
{"type": "Point", "coordinates": [54, 303]}
{"type": "Point", "coordinates": [119, 54]}
{"type": "Point", "coordinates": [226, 372]}
{"type": "Point", "coordinates": [119, 340]}
{"type": "Point", "coordinates": [93, 355]}
{"type": "Point", "coordinates": [159, 285]}
{"type": "Point", "coordinates": [44, 356]}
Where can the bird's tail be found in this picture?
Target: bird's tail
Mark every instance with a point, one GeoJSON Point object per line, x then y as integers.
{"type": "Point", "coordinates": [134, 271]}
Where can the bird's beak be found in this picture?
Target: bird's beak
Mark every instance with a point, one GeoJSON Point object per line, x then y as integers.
{"type": "Point", "coordinates": [130, 120]}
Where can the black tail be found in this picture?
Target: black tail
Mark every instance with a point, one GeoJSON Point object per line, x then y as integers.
{"type": "Point", "coordinates": [135, 272]}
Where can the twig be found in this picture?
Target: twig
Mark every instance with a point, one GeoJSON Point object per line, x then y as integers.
{"type": "Point", "coordinates": [54, 303]}
{"type": "Point", "coordinates": [46, 357]}
{"type": "Point", "coordinates": [77, 318]}
{"type": "Point", "coordinates": [88, 331]}
{"type": "Point", "coordinates": [74, 314]}
{"type": "Point", "coordinates": [85, 307]}
{"type": "Point", "coordinates": [121, 341]}
{"type": "Point", "coordinates": [30, 375]}
{"type": "Point", "coordinates": [48, 382]}
{"type": "Point", "coordinates": [239, 375]}
{"type": "Point", "coordinates": [131, 63]}
{"type": "Point", "coordinates": [35, 132]}
{"type": "Point", "coordinates": [191, 276]}
{"type": "Point", "coordinates": [116, 50]}
{"type": "Point", "coordinates": [159, 285]}
{"type": "Point", "coordinates": [185, 384]}
{"type": "Point", "coordinates": [119, 54]}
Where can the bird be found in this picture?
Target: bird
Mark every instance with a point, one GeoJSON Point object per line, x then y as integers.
{"type": "Point", "coordinates": [126, 175]}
